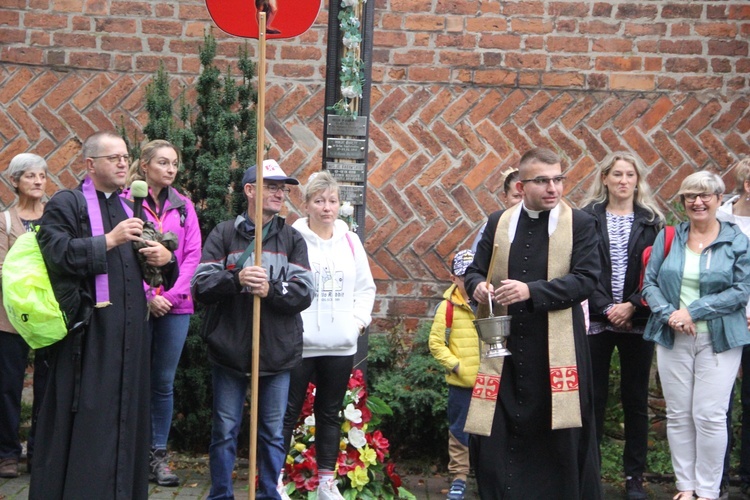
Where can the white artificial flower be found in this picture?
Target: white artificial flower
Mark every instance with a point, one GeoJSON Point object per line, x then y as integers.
{"type": "Point", "coordinates": [310, 420]}
{"type": "Point", "coordinates": [346, 210]}
{"type": "Point", "coordinates": [357, 437]}
{"type": "Point", "coordinates": [351, 41]}
{"type": "Point", "coordinates": [352, 414]}
{"type": "Point", "coordinates": [349, 92]}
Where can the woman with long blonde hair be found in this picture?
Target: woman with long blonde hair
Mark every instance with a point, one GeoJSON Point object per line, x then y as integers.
{"type": "Point", "coordinates": [628, 221]}
{"type": "Point", "coordinates": [170, 310]}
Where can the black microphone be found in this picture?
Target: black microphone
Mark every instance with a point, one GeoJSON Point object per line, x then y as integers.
{"type": "Point", "coordinates": [139, 190]}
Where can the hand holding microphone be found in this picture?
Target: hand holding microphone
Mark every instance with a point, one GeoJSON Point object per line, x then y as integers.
{"type": "Point", "coordinates": [139, 190]}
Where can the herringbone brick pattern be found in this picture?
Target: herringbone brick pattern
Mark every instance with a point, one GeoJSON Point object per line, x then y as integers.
{"type": "Point", "coordinates": [437, 152]}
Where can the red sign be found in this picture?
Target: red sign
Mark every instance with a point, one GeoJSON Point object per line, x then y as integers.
{"type": "Point", "coordinates": [284, 18]}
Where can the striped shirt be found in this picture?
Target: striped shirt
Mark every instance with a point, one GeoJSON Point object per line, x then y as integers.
{"type": "Point", "coordinates": [618, 227]}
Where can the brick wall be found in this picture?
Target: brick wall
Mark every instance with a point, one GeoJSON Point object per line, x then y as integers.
{"type": "Point", "coordinates": [460, 89]}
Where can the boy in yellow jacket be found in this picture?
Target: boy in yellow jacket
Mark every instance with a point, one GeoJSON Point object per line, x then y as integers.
{"type": "Point", "coordinates": [454, 343]}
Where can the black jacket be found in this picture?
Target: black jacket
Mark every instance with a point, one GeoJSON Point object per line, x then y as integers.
{"type": "Point", "coordinates": [642, 234]}
{"type": "Point", "coordinates": [229, 328]}
{"type": "Point", "coordinates": [67, 247]}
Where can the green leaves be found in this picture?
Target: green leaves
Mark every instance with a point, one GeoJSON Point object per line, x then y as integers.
{"type": "Point", "coordinates": [351, 74]}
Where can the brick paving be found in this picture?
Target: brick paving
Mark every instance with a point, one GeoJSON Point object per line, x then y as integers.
{"type": "Point", "coordinates": [194, 484]}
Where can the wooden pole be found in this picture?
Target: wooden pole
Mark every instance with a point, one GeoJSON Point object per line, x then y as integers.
{"type": "Point", "coordinates": [260, 149]}
{"type": "Point", "coordinates": [489, 277]}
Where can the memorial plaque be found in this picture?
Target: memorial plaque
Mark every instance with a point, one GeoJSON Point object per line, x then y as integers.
{"type": "Point", "coordinates": [344, 125]}
{"type": "Point", "coordinates": [346, 172]}
{"type": "Point", "coordinates": [353, 149]}
{"type": "Point", "coordinates": [353, 194]}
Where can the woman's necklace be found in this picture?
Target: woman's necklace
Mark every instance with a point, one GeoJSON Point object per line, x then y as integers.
{"type": "Point", "coordinates": [707, 238]}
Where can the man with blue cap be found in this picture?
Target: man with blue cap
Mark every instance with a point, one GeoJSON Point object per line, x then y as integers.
{"type": "Point", "coordinates": [226, 279]}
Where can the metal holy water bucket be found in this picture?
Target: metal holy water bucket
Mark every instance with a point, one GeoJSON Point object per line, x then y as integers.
{"type": "Point", "coordinates": [494, 331]}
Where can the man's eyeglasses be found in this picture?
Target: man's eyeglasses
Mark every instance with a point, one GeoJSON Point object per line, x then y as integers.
{"type": "Point", "coordinates": [275, 188]}
{"type": "Point", "coordinates": [705, 197]}
{"type": "Point", "coordinates": [544, 181]}
{"type": "Point", "coordinates": [114, 159]}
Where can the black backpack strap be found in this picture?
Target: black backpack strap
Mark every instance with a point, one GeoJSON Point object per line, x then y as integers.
{"type": "Point", "coordinates": [86, 310]}
{"type": "Point", "coordinates": [182, 209]}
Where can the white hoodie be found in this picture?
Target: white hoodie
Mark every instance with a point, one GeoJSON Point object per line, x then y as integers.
{"type": "Point", "coordinates": [345, 291]}
{"type": "Point", "coordinates": [726, 213]}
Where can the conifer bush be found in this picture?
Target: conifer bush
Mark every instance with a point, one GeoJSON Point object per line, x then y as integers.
{"type": "Point", "coordinates": [217, 143]}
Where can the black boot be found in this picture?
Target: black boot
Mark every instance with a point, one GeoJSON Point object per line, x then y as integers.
{"type": "Point", "coordinates": [160, 473]}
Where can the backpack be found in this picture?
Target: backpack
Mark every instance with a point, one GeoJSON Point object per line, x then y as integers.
{"type": "Point", "coordinates": [28, 298]}
{"type": "Point", "coordinates": [646, 256]}
{"type": "Point", "coordinates": [448, 321]}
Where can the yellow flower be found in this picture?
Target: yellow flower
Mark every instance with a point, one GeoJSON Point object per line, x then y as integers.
{"type": "Point", "coordinates": [358, 477]}
{"type": "Point", "coordinates": [342, 444]}
{"type": "Point", "coordinates": [300, 447]}
{"type": "Point", "coordinates": [346, 426]}
{"type": "Point", "coordinates": [368, 456]}
{"type": "Point", "coordinates": [289, 459]}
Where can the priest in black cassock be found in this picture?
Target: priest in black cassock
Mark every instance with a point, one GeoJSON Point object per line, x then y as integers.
{"type": "Point", "coordinates": [93, 431]}
{"type": "Point", "coordinates": [534, 437]}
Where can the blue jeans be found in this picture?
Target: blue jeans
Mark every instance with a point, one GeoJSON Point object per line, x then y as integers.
{"type": "Point", "coordinates": [229, 400]}
{"type": "Point", "coordinates": [169, 334]}
{"type": "Point", "coordinates": [458, 408]}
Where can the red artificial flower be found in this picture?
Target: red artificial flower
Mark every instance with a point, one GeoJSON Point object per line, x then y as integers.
{"type": "Point", "coordinates": [379, 443]}
{"type": "Point", "coordinates": [348, 461]}
{"type": "Point", "coordinates": [356, 380]}
{"type": "Point", "coordinates": [390, 471]}
{"type": "Point", "coordinates": [366, 413]}
{"type": "Point", "coordinates": [307, 406]}
{"type": "Point", "coordinates": [305, 475]}
{"type": "Point", "coordinates": [310, 454]}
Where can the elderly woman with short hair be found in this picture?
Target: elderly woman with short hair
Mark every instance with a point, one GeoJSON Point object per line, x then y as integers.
{"type": "Point", "coordinates": [28, 174]}
{"type": "Point", "coordinates": [697, 294]}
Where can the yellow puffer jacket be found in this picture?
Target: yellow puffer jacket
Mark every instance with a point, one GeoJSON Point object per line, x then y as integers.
{"type": "Point", "coordinates": [464, 343]}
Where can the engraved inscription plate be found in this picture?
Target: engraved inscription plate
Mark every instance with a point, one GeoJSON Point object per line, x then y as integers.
{"type": "Point", "coordinates": [353, 149]}
{"type": "Point", "coordinates": [346, 172]}
{"type": "Point", "coordinates": [343, 125]}
{"type": "Point", "coordinates": [353, 194]}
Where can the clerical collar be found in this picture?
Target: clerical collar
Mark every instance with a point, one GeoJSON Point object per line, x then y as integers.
{"type": "Point", "coordinates": [534, 214]}
{"type": "Point", "coordinates": [554, 214]}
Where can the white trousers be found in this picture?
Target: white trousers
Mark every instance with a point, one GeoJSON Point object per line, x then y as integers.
{"type": "Point", "coordinates": [697, 384]}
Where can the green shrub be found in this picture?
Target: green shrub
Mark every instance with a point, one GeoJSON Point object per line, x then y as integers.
{"type": "Point", "coordinates": [191, 425]}
{"type": "Point", "coordinates": [403, 373]}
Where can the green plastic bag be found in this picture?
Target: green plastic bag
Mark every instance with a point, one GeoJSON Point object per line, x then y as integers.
{"type": "Point", "coordinates": [28, 298]}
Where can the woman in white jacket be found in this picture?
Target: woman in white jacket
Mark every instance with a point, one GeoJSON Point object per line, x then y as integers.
{"type": "Point", "coordinates": [345, 294]}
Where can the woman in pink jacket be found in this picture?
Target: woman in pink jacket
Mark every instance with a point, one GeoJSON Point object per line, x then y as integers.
{"type": "Point", "coordinates": [170, 310]}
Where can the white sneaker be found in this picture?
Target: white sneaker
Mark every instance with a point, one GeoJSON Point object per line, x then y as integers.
{"type": "Point", "coordinates": [281, 490]}
{"type": "Point", "coordinates": [329, 491]}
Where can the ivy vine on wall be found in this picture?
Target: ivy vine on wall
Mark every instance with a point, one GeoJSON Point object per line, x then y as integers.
{"type": "Point", "coordinates": [351, 74]}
